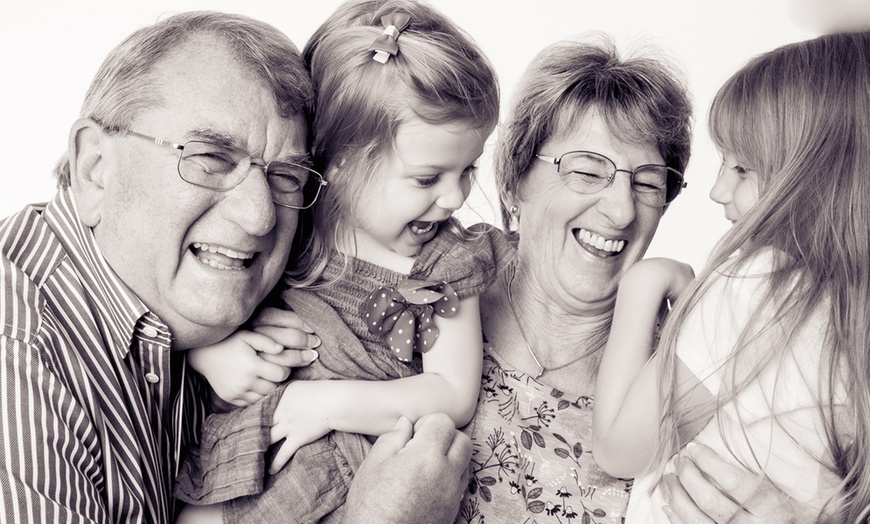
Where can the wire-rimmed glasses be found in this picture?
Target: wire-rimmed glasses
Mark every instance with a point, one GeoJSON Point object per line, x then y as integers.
{"type": "Point", "coordinates": [221, 168]}
{"type": "Point", "coordinates": [589, 172]}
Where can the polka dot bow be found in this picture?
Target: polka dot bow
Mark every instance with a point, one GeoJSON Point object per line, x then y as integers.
{"type": "Point", "coordinates": [406, 314]}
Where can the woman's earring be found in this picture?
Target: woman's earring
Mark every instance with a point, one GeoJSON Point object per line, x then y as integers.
{"type": "Point", "coordinates": [514, 224]}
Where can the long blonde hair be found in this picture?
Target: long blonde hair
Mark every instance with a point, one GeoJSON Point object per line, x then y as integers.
{"type": "Point", "coordinates": [800, 117]}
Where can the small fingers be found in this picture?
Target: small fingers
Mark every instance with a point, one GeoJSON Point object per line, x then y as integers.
{"type": "Point", "coordinates": [282, 456]}
{"type": "Point", "coordinates": [260, 342]}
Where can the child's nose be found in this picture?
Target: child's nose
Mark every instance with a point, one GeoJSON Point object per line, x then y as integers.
{"type": "Point", "coordinates": [453, 197]}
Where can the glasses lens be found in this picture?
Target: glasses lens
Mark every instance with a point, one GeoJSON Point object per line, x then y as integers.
{"type": "Point", "coordinates": [650, 184]}
{"type": "Point", "coordinates": [293, 185]}
{"type": "Point", "coordinates": [586, 172]}
{"type": "Point", "coordinates": [211, 165]}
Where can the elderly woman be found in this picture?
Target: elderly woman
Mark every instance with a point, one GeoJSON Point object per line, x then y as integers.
{"type": "Point", "coordinates": [587, 164]}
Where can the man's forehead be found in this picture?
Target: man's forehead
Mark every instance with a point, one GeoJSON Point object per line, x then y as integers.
{"type": "Point", "coordinates": [209, 95]}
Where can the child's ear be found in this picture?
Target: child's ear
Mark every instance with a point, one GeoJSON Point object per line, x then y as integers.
{"type": "Point", "coordinates": [88, 173]}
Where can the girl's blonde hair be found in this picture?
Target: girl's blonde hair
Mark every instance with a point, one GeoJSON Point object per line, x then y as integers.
{"type": "Point", "coordinates": [800, 117]}
{"type": "Point", "coordinates": [439, 75]}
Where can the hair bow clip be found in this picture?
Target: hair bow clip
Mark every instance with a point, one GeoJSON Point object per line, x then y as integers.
{"type": "Point", "coordinates": [385, 45]}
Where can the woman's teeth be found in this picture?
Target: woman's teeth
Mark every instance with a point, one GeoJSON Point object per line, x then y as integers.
{"type": "Point", "coordinates": [599, 242]}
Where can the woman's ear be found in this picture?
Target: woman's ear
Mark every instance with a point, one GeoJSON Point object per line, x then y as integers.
{"type": "Point", "coordinates": [88, 174]}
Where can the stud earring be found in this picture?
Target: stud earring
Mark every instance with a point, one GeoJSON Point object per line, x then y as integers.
{"type": "Point", "coordinates": [514, 223]}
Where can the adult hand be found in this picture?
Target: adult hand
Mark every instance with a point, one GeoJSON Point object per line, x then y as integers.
{"type": "Point", "coordinates": [693, 496]}
{"type": "Point", "coordinates": [412, 479]}
{"type": "Point", "coordinates": [286, 328]}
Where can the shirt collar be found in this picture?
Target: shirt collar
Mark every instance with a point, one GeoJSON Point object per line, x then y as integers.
{"type": "Point", "coordinates": [120, 308]}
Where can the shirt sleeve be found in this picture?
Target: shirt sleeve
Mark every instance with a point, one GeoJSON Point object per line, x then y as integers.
{"type": "Point", "coordinates": [51, 463]}
{"type": "Point", "coordinates": [230, 461]}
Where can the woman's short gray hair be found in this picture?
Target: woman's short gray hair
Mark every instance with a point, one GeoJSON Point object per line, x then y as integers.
{"type": "Point", "coordinates": [124, 84]}
{"type": "Point", "coordinates": [642, 98]}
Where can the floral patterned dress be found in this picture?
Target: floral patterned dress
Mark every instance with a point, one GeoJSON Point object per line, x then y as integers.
{"type": "Point", "coordinates": [532, 459]}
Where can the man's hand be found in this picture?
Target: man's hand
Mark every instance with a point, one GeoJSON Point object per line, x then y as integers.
{"type": "Point", "coordinates": [693, 496]}
{"type": "Point", "coordinates": [412, 475]}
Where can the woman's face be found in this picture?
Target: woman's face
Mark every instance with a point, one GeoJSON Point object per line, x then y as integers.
{"type": "Point", "coordinates": [577, 246]}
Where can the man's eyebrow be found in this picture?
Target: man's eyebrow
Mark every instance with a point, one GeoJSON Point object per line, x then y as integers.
{"type": "Point", "coordinates": [303, 159]}
{"type": "Point", "coordinates": [216, 137]}
{"type": "Point", "coordinates": [227, 140]}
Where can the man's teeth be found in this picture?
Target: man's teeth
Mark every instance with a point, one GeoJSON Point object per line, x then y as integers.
{"type": "Point", "coordinates": [220, 257]}
{"type": "Point", "coordinates": [599, 242]}
{"type": "Point", "coordinates": [419, 229]}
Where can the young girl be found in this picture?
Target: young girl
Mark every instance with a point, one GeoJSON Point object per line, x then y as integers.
{"type": "Point", "coordinates": [765, 357]}
{"type": "Point", "coordinates": [405, 103]}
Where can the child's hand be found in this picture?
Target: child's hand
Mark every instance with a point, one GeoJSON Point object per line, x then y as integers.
{"type": "Point", "coordinates": [246, 366]}
{"type": "Point", "coordinates": [663, 278]}
{"type": "Point", "coordinates": [298, 419]}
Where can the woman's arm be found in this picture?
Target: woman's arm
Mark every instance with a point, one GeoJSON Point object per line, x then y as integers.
{"type": "Point", "coordinates": [449, 384]}
{"type": "Point", "coordinates": [626, 419]}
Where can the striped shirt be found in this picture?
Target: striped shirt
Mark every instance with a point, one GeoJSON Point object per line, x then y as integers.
{"type": "Point", "coordinates": [86, 381]}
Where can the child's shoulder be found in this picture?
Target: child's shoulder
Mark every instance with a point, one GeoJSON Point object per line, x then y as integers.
{"type": "Point", "coordinates": [757, 266]}
{"type": "Point", "coordinates": [471, 257]}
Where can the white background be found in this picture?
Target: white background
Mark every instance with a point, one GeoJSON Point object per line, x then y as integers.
{"type": "Point", "coordinates": [49, 51]}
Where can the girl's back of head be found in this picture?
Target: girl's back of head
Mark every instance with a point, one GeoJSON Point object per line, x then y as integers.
{"type": "Point", "coordinates": [438, 75]}
{"type": "Point", "coordinates": [799, 116]}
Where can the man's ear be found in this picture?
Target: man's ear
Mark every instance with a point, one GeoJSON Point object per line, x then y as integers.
{"type": "Point", "coordinates": [88, 169]}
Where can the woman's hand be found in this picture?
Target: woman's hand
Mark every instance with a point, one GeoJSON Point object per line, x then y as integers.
{"type": "Point", "coordinates": [692, 494]}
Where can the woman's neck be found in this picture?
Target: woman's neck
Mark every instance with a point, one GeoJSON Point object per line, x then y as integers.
{"type": "Point", "coordinates": [541, 337]}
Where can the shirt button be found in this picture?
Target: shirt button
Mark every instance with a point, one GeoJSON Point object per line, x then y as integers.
{"type": "Point", "coordinates": [152, 378]}
{"type": "Point", "coordinates": [149, 331]}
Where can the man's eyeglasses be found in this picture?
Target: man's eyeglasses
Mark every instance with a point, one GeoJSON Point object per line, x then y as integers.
{"type": "Point", "coordinates": [588, 172]}
{"type": "Point", "coordinates": [222, 168]}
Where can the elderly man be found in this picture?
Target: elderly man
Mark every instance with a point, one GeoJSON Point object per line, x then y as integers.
{"type": "Point", "coordinates": [163, 236]}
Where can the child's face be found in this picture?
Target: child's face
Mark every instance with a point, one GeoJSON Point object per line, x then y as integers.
{"type": "Point", "coordinates": [427, 178]}
{"type": "Point", "coordinates": [736, 188]}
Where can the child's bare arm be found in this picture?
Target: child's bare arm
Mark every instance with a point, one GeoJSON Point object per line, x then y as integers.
{"type": "Point", "coordinates": [626, 399]}
{"type": "Point", "coordinates": [449, 384]}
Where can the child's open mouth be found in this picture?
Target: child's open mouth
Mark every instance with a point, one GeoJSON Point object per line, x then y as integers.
{"type": "Point", "coordinates": [421, 228]}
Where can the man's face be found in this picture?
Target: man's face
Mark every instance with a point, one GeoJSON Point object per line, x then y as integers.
{"type": "Point", "coordinates": [179, 246]}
